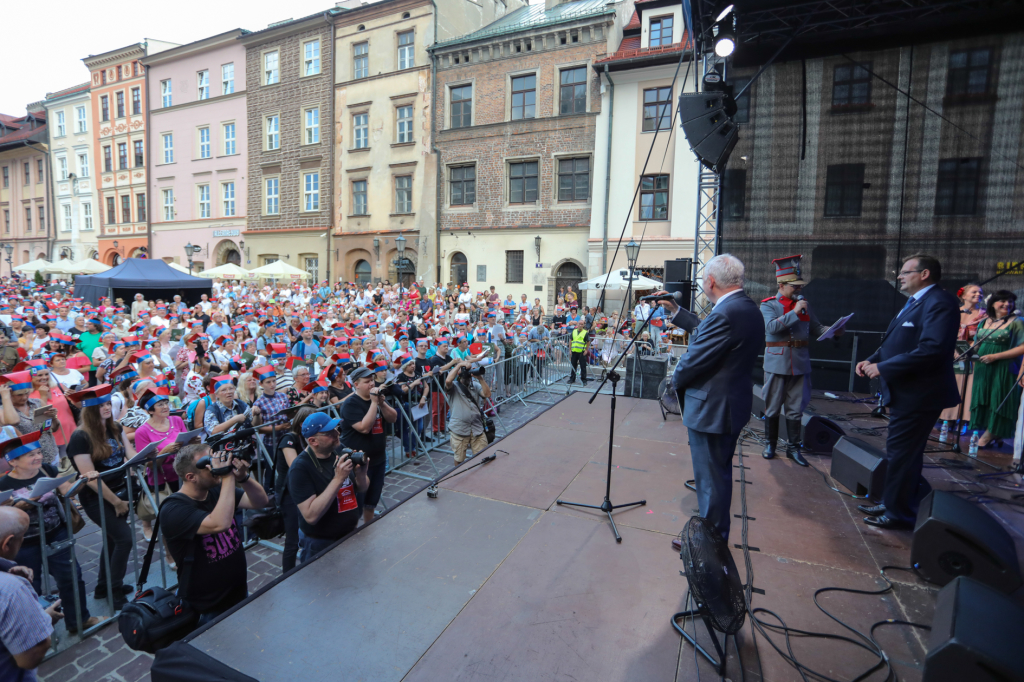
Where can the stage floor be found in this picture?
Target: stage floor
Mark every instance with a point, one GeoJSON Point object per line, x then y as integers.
{"type": "Point", "coordinates": [493, 580]}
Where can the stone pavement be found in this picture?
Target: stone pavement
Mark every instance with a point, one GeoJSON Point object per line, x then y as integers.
{"type": "Point", "coordinates": [104, 657]}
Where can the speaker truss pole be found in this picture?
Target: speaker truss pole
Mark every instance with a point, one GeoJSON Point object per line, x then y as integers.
{"type": "Point", "coordinates": [706, 237]}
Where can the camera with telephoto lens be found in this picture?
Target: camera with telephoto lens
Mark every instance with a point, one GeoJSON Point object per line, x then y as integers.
{"type": "Point", "coordinates": [357, 457]}
{"type": "Point", "coordinates": [477, 369]}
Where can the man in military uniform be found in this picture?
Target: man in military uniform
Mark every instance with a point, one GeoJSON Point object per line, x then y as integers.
{"type": "Point", "coordinates": [788, 323]}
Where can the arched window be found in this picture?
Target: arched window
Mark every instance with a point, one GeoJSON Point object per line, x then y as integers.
{"type": "Point", "coordinates": [568, 279]}
{"type": "Point", "coordinates": [363, 273]}
{"type": "Point", "coordinates": [460, 269]}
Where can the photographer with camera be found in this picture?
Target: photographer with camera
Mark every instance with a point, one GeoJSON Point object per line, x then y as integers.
{"type": "Point", "coordinates": [198, 523]}
{"type": "Point", "coordinates": [323, 480]}
{"type": "Point", "coordinates": [466, 390]}
{"type": "Point", "coordinates": [362, 428]}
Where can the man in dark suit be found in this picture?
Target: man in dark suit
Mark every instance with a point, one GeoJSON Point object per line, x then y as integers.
{"type": "Point", "coordinates": [714, 382]}
{"type": "Point", "coordinates": [915, 366]}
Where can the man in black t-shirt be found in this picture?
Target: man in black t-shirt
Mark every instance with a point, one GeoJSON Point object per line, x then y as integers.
{"type": "Point", "coordinates": [201, 517]}
{"type": "Point", "coordinates": [324, 487]}
{"type": "Point", "coordinates": [362, 428]}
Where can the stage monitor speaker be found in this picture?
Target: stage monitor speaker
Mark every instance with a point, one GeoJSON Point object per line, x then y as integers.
{"type": "Point", "coordinates": [684, 287]}
{"type": "Point", "coordinates": [859, 467]}
{"type": "Point", "coordinates": [818, 434]}
{"type": "Point", "coordinates": [707, 127]}
{"type": "Point", "coordinates": [954, 537]}
{"type": "Point", "coordinates": [975, 634]}
{"type": "Point", "coordinates": [757, 408]}
{"type": "Point", "coordinates": [678, 270]}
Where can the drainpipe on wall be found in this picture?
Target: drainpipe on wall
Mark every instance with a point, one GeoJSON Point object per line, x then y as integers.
{"type": "Point", "coordinates": [608, 173]}
{"type": "Point", "coordinates": [437, 152]}
{"type": "Point", "coordinates": [149, 171]}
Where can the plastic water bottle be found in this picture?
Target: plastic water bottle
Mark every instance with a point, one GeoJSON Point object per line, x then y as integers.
{"type": "Point", "coordinates": [973, 450]}
{"type": "Point", "coordinates": [944, 433]}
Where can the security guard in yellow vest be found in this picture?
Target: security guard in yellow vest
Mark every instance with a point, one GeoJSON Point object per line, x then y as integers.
{"type": "Point", "coordinates": [578, 351]}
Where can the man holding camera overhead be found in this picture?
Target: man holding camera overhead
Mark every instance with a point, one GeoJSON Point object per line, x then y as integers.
{"type": "Point", "coordinates": [362, 428]}
{"type": "Point", "coordinates": [324, 483]}
{"type": "Point", "coordinates": [466, 388]}
{"type": "Point", "coordinates": [198, 523]}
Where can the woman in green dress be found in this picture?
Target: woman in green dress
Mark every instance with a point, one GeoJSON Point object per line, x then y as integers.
{"type": "Point", "coordinates": [1001, 343]}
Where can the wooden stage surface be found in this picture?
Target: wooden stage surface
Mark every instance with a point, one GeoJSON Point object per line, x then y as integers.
{"type": "Point", "coordinates": [494, 581]}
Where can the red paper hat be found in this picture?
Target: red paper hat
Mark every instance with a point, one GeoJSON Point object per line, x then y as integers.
{"type": "Point", "coordinates": [21, 445]}
{"type": "Point", "coordinates": [19, 381]}
{"type": "Point", "coordinates": [31, 366]}
{"type": "Point", "coordinates": [218, 382]}
{"type": "Point", "coordinates": [265, 372]}
{"type": "Point", "coordinates": [93, 396]}
{"type": "Point", "coordinates": [221, 340]}
{"type": "Point", "coordinates": [151, 397]}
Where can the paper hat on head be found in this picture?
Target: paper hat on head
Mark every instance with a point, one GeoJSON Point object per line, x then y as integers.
{"type": "Point", "coordinates": [318, 386]}
{"type": "Point", "coordinates": [140, 356]}
{"type": "Point", "coordinates": [150, 398]}
{"type": "Point", "coordinates": [787, 270]}
{"type": "Point", "coordinates": [19, 381]}
{"type": "Point", "coordinates": [217, 383]}
{"type": "Point", "coordinates": [126, 372]}
{"type": "Point", "coordinates": [264, 373]}
{"type": "Point", "coordinates": [93, 396]}
{"type": "Point", "coordinates": [31, 366]}
{"type": "Point", "coordinates": [278, 351]}
{"type": "Point", "coordinates": [22, 445]}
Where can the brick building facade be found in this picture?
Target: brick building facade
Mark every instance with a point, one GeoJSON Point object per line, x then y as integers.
{"type": "Point", "coordinates": [517, 105]}
{"type": "Point", "coordinates": [289, 101]}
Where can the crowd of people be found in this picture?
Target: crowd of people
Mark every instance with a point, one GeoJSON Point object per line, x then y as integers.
{"type": "Point", "coordinates": [84, 388]}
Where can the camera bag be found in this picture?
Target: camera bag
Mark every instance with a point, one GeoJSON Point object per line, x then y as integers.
{"type": "Point", "coordinates": [156, 617]}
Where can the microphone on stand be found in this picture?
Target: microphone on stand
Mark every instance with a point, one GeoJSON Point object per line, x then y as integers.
{"type": "Point", "coordinates": [676, 296]}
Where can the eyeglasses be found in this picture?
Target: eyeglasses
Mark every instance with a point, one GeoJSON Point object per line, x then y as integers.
{"type": "Point", "coordinates": [907, 272]}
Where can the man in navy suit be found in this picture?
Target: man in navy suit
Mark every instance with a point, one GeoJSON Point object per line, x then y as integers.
{"type": "Point", "coordinates": [714, 382]}
{"type": "Point", "coordinates": [915, 364]}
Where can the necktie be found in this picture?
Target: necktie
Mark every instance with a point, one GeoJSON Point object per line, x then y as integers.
{"type": "Point", "coordinates": [910, 302]}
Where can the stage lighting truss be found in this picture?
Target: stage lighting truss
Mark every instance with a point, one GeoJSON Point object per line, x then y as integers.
{"type": "Point", "coordinates": [724, 32]}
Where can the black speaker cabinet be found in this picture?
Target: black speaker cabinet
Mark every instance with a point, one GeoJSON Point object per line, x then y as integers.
{"type": "Point", "coordinates": [859, 467]}
{"type": "Point", "coordinates": [818, 434]}
{"type": "Point", "coordinates": [707, 127]}
{"type": "Point", "coordinates": [954, 537]}
{"type": "Point", "coordinates": [685, 288]}
{"type": "Point", "coordinates": [757, 408]}
{"type": "Point", "coordinates": [649, 372]}
{"type": "Point", "coordinates": [678, 270]}
{"type": "Point", "coordinates": [975, 636]}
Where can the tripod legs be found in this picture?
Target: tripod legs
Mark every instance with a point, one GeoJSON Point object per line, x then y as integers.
{"type": "Point", "coordinates": [607, 507]}
{"type": "Point", "coordinates": [693, 613]}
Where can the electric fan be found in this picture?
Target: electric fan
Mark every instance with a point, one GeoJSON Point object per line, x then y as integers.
{"type": "Point", "coordinates": [715, 586]}
{"type": "Point", "coordinates": [668, 399]}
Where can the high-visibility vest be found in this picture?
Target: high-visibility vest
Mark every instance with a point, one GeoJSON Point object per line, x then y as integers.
{"type": "Point", "coordinates": [579, 340]}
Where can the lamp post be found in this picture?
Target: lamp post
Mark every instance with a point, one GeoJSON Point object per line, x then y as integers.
{"type": "Point", "coordinates": [536, 243]}
{"type": "Point", "coordinates": [632, 253]}
{"type": "Point", "coordinates": [9, 248]}
{"type": "Point", "coordinates": [189, 251]}
{"type": "Point", "coordinates": [400, 262]}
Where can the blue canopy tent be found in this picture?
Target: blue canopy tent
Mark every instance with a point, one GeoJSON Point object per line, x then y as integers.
{"type": "Point", "coordinates": [152, 278]}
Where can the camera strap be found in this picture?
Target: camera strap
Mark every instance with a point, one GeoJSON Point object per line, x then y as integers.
{"type": "Point", "coordinates": [469, 397]}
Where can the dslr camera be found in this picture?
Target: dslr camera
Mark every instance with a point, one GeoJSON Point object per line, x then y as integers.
{"type": "Point", "coordinates": [357, 457]}
{"type": "Point", "coordinates": [477, 369]}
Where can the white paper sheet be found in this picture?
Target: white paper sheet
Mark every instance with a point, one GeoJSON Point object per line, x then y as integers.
{"type": "Point", "coordinates": [145, 454]}
{"type": "Point", "coordinates": [839, 324]}
{"type": "Point", "coordinates": [185, 436]}
{"type": "Point", "coordinates": [419, 412]}
{"type": "Point", "coordinates": [45, 485]}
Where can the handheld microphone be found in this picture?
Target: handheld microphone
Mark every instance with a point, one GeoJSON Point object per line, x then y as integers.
{"type": "Point", "coordinates": [676, 296]}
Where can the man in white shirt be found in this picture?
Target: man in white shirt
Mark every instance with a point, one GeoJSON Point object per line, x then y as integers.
{"type": "Point", "coordinates": [465, 296]}
{"type": "Point", "coordinates": [204, 303]}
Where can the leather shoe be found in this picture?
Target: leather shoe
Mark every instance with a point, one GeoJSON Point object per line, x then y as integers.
{"type": "Point", "coordinates": [769, 451]}
{"type": "Point", "coordinates": [794, 454]}
{"type": "Point", "coordinates": [887, 523]}
{"type": "Point", "coordinates": [873, 510]}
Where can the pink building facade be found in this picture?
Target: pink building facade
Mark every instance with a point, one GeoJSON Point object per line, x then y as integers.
{"type": "Point", "coordinates": [197, 155]}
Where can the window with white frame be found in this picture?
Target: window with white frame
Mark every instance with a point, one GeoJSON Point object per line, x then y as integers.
{"type": "Point", "coordinates": [228, 192]}
{"type": "Point", "coordinates": [229, 139]}
{"type": "Point", "coordinates": [80, 121]}
{"type": "Point", "coordinates": [271, 74]}
{"type": "Point", "coordinates": [165, 93]}
{"type": "Point", "coordinates": [271, 194]}
{"type": "Point", "coordinates": [403, 194]}
{"type": "Point", "coordinates": [406, 48]}
{"type": "Point", "coordinates": [227, 79]}
{"type": "Point", "coordinates": [62, 167]}
{"type": "Point", "coordinates": [168, 147]}
{"type": "Point", "coordinates": [311, 191]}
{"type": "Point", "coordinates": [61, 130]}
{"type": "Point", "coordinates": [83, 165]}
{"type": "Point", "coordinates": [312, 126]}
{"type": "Point", "coordinates": [204, 201]}
{"type": "Point", "coordinates": [311, 58]}
{"type": "Point", "coordinates": [204, 143]}
{"type": "Point", "coordinates": [273, 128]}
{"type": "Point", "coordinates": [404, 118]}
{"type": "Point", "coordinates": [86, 216]}
{"type": "Point", "coordinates": [168, 197]}
{"type": "Point", "coordinates": [136, 101]}
{"type": "Point", "coordinates": [359, 197]}
{"type": "Point", "coordinates": [361, 126]}
{"type": "Point", "coordinates": [361, 60]}
{"type": "Point", "coordinates": [203, 83]}
{"type": "Point", "coordinates": [65, 210]}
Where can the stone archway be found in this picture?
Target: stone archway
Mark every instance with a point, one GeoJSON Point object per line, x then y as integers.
{"type": "Point", "coordinates": [226, 251]}
{"type": "Point", "coordinates": [567, 272]}
{"type": "Point", "coordinates": [351, 258]}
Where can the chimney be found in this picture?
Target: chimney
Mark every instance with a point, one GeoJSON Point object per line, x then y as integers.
{"type": "Point", "coordinates": [549, 4]}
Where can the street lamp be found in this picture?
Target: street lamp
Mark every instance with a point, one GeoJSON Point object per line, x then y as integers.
{"type": "Point", "coordinates": [400, 243]}
{"type": "Point", "coordinates": [632, 253]}
{"type": "Point", "coordinates": [9, 248]}
{"type": "Point", "coordinates": [189, 251]}
{"type": "Point", "coordinates": [536, 243]}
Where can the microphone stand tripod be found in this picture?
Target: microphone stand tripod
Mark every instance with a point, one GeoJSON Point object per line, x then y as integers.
{"type": "Point", "coordinates": [606, 506]}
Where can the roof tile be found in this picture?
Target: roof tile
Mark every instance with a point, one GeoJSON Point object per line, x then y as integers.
{"type": "Point", "coordinates": [534, 16]}
{"type": "Point", "coordinates": [630, 48]}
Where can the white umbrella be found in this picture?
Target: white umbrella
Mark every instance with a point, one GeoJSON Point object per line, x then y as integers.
{"type": "Point", "coordinates": [619, 280]}
{"type": "Point", "coordinates": [226, 271]}
{"type": "Point", "coordinates": [33, 266]}
{"type": "Point", "coordinates": [87, 266]}
{"type": "Point", "coordinates": [179, 268]}
{"type": "Point", "coordinates": [280, 270]}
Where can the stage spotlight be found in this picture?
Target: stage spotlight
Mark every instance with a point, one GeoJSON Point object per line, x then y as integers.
{"type": "Point", "coordinates": [723, 13]}
{"type": "Point", "coordinates": [725, 33]}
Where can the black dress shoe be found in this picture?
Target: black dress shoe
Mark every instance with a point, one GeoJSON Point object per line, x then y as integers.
{"type": "Point", "coordinates": [887, 523]}
{"type": "Point", "coordinates": [794, 454]}
{"type": "Point", "coordinates": [874, 510]}
{"type": "Point", "coordinates": [769, 451]}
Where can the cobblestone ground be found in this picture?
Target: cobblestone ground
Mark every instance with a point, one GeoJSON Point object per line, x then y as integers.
{"type": "Point", "coordinates": [104, 657]}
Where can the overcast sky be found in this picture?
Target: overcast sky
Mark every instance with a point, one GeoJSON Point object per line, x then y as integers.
{"type": "Point", "coordinates": [43, 44]}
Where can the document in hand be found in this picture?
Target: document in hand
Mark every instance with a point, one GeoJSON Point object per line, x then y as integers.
{"type": "Point", "coordinates": [185, 436]}
{"type": "Point", "coordinates": [45, 485]}
{"type": "Point", "coordinates": [145, 454]}
{"type": "Point", "coordinates": [831, 331]}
